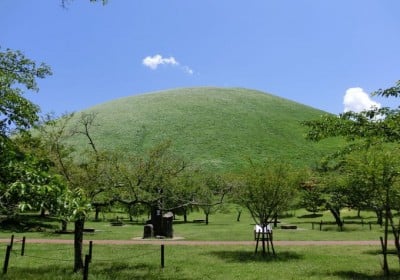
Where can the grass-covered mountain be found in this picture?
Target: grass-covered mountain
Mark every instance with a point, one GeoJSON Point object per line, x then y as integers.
{"type": "Point", "coordinates": [218, 128]}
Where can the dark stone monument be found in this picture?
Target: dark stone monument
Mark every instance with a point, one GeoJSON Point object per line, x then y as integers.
{"type": "Point", "coordinates": [148, 231]}
{"type": "Point", "coordinates": [167, 224]}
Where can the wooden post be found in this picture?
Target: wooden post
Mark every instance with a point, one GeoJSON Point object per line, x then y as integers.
{"type": "Point", "coordinates": [86, 268]}
{"type": "Point", "coordinates": [23, 246]}
{"type": "Point", "coordinates": [263, 241]}
{"type": "Point", "coordinates": [90, 250]}
{"type": "Point", "coordinates": [7, 258]}
{"type": "Point", "coordinates": [272, 244]}
{"type": "Point", "coordinates": [257, 239]}
{"type": "Point", "coordinates": [12, 241]}
{"type": "Point", "coordinates": [162, 256]}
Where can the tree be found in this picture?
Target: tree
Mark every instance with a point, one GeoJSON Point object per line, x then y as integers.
{"type": "Point", "coordinates": [25, 180]}
{"type": "Point", "coordinates": [16, 73]}
{"type": "Point", "coordinates": [211, 192]}
{"type": "Point", "coordinates": [87, 178]}
{"type": "Point", "coordinates": [311, 196]}
{"type": "Point", "coordinates": [267, 189]}
{"type": "Point", "coordinates": [155, 179]}
{"type": "Point", "coordinates": [369, 129]}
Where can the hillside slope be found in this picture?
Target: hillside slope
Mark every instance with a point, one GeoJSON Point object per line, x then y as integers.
{"type": "Point", "coordinates": [218, 128]}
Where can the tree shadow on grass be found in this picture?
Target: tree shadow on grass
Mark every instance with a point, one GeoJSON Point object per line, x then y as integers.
{"type": "Point", "coordinates": [247, 256]}
{"type": "Point", "coordinates": [123, 270]}
{"type": "Point", "coordinates": [310, 216]}
{"type": "Point", "coordinates": [363, 276]}
{"type": "Point", "coordinates": [19, 225]}
{"type": "Point", "coordinates": [113, 270]}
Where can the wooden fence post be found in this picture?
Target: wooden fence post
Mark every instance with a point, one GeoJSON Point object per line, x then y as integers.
{"type": "Point", "coordinates": [23, 246]}
{"type": "Point", "coordinates": [162, 256]}
{"type": "Point", "coordinates": [7, 258]}
{"type": "Point", "coordinates": [90, 250]}
{"type": "Point", "coordinates": [86, 268]}
{"type": "Point", "coordinates": [12, 241]}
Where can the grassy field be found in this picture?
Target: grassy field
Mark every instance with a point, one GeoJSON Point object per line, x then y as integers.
{"type": "Point", "coordinates": [49, 261]}
{"type": "Point", "coordinates": [215, 128]}
{"type": "Point", "coordinates": [205, 262]}
{"type": "Point", "coordinates": [222, 226]}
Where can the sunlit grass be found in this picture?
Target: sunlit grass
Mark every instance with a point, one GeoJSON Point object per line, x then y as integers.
{"type": "Point", "coordinates": [50, 261]}
{"type": "Point", "coordinates": [216, 128]}
{"type": "Point", "coordinates": [203, 262]}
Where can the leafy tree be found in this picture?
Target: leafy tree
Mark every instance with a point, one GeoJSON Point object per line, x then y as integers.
{"type": "Point", "coordinates": [369, 130]}
{"type": "Point", "coordinates": [17, 73]}
{"type": "Point", "coordinates": [211, 192]}
{"type": "Point", "coordinates": [25, 180]}
{"type": "Point", "coordinates": [267, 189]}
{"type": "Point", "coordinates": [154, 179]}
{"type": "Point", "coordinates": [311, 196]}
{"type": "Point", "coordinates": [87, 179]}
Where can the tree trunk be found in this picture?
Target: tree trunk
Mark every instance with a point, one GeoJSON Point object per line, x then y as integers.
{"type": "Point", "coordinates": [238, 216]}
{"type": "Point", "coordinates": [379, 216]}
{"type": "Point", "coordinates": [78, 241]}
{"type": "Point", "coordinates": [336, 215]}
{"type": "Point", "coordinates": [185, 215]}
{"type": "Point", "coordinates": [207, 214]}
{"type": "Point", "coordinates": [64, 225]}
{"type": "Point", "coordinates": [396, 234]}
{"type": "Point", "coordinates": [97, 212]}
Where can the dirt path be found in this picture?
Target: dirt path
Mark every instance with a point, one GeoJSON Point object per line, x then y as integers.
{"type": "Point", "coordinates": [201, 243]}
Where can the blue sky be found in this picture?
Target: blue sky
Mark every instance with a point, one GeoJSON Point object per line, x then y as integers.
{"type": "Point", "coordinates": [309, 51]}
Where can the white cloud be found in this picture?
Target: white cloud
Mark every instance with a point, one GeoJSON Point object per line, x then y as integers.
{"type": "Point", "coordinates": [357, 100]}
{"type": "Point", "coordinates": [154, 61]}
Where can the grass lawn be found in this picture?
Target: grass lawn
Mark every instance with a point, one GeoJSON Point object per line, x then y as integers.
{"type": "Point", "coordinates": [202, 262]}
{"type": "Point", "coordinates": [50, 261]}
{"type": "Point", "coordinates": [222, 226]}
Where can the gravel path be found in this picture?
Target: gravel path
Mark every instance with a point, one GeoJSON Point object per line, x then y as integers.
{"type": "Point", "coordinates": [202, 243]}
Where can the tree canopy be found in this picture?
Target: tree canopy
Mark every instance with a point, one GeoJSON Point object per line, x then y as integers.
{"type": "Point", "coordinates": [25, 180]}
{"type": "Point", "coordinates": [368, 167]}
{"type": "Point", "coordinates": [18, 73]}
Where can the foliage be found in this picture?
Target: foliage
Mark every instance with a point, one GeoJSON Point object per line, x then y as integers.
{"type": "Point", "coordinates": [267, 189]}
{"type": "Point", "coordinates": [311, 196]}
{"type": "Point", "coordinates": [369, 169]}
{"type": "Point", "coordinates": [18, 72]}
{"type": "Point", "coordinates": [25, 180]}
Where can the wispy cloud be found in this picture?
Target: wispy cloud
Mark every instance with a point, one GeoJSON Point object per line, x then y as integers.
{"type": "Point", "coordinates": [153, 62]}
{"type": "Point", "coordinates": [357, 100]}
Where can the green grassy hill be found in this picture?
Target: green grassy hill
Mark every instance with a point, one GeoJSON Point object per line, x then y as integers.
{"type": "Point", "coordinates": [217, 128]}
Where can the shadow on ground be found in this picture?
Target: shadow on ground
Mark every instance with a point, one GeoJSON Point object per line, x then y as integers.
{"type": "Point", "coordinates": [246, 256]}
{"type": "Point", "coordinates": [27, 225]}
{"type": "Point", "coordinates": [358, 276]}
{"type": "Point", "coordinates": [307, 216]}
{"type": "Point", "coordinates": [112, 271]}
